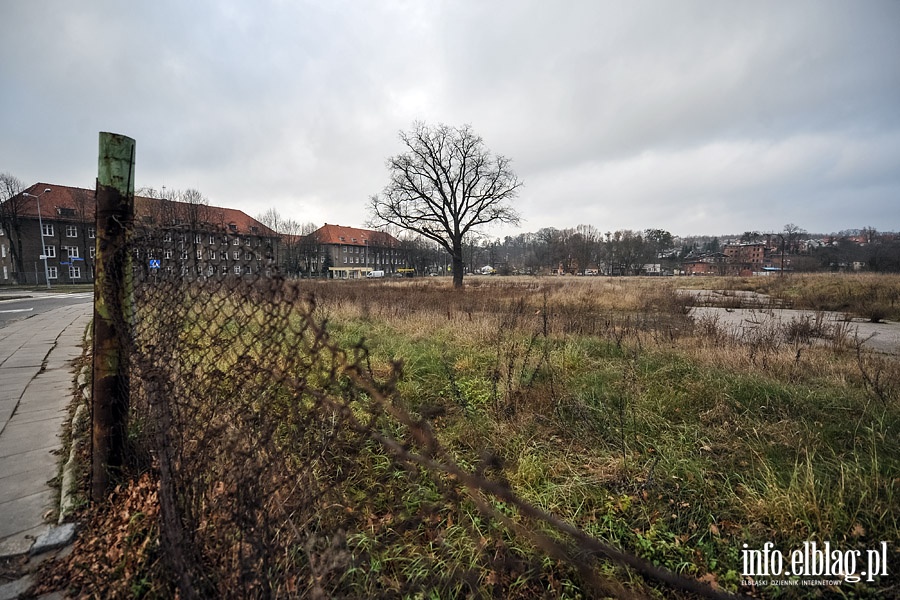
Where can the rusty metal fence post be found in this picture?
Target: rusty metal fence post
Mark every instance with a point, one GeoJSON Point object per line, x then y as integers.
{"type": "Point", "coordinates": [113, 307]}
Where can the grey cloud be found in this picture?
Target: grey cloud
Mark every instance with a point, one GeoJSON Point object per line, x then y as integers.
{"type": "Point", "coordinates": [693, 116]}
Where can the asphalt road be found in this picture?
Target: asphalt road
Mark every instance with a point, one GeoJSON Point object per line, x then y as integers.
{"type": "Point", "coordinates": [15, 307]}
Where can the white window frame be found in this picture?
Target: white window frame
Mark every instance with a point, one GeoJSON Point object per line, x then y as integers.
{"type": "Point", "coordinates": [71, 231]}
{"type": "Point", "coordinates": [50, 251]}
{"type": "Point", "coordinates": [47, 229]}
{"type": "Point", "coordinates": [74, 272]}
{"type": "Point", "coordinates": [52, 273]}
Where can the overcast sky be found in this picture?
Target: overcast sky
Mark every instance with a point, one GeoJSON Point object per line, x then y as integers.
{"type": "Point", "coordinates": [708, 117]}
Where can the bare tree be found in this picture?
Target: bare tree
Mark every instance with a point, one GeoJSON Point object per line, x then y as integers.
{"type": "Point", "coordinates": [12, 205]}
{"type": "Point", "coordinates": [792, 236]}
{"type": "Point", "coordinates": [445, 185]}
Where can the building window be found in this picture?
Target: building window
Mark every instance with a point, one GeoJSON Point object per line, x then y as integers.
{"type": "Point", "coordinates": [47, 229]}
{"type": "Point", "coordinates": [74, 272]}
{"type": "Point", "coordinates": [72, 251]}
{"type": "Point", "coordinates": [167, 254]}
{"type": "Point", "coordinates": [196, 238]}
{"type": "Point", "coordinates": [210, 270]}
{"type": "Point", "coordinates": [237, 255]}
{"type": "Point", "coordinates": [212, 240]}
{"type": "Point", "coordinates": [71, 231]}
{"type": "Point", "coordinates": [184, 255]}
{"type": "Point", "coordinates": [92, 232]}
{"type": "Point", "coordinates": [92, 251]}
{"type": "Point", "coordinates": [2, 250]}
{"type": "Point", "coordinates": [50, 251]}
{"type": "Point", "coordinates": [237, 269]}
{"type": "Point", "coordinates": [51, 273]}
{"type": "Point", "coordinates": [236, 242]}
{"type": "Point", "coordinates": [199, 254]}
{"type": "Point", "coordinates": [248, 256]}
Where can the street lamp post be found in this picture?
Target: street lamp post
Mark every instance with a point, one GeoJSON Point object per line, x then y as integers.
{"type": "Point", "coordinates": [41, 228]}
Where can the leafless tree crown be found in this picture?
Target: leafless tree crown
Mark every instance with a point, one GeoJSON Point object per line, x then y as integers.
{"type": "Point", "coordinates": [445, 185]}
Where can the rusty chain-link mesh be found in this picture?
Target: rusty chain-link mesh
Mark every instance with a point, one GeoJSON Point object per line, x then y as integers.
{"type": "Point", "coordinates": [288, 468]}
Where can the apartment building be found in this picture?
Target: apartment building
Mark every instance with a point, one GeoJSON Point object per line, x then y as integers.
{"type": "Point", "coordinates": [49, 236]}
{"type": "Point", "coordinates": [350, 253]}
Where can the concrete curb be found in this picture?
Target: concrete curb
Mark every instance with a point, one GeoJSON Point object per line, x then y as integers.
{"type": "Point", "coordinates": [80, 428]}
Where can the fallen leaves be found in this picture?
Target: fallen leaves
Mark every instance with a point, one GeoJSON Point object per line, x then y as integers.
{"type": "Point", "coordinates": [118, 547]}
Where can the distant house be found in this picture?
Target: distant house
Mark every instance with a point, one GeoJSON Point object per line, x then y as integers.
{"type": "Point", "coordinates": [350, 253]}
{"type": "Point", "coordinates": [171, 238]}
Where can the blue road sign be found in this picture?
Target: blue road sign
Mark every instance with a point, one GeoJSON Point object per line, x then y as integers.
{"type": "Point", "coordinates": [154, 263]}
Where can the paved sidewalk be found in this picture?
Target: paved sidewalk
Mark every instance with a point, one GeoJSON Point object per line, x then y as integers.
{"type": "Point", "coordinates": [35, 391]}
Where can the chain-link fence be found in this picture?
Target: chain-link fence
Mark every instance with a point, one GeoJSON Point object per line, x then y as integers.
{"type": "Point", "coordinates": [288, 466]}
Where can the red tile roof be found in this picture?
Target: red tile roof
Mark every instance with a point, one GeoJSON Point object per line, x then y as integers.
{"type": "Point", "coordinates": [63, 203]}
{"type": "Point", "coordinates": [352, 236]}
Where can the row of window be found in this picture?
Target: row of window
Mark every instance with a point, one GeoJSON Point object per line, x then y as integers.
{"type": "Point", "coordinates": [168, 236]}
{"type": "Point", "coordinates": [49, 230]}
{"type": "Point", "coordinates": [75, 252]}
{"type": "Point", "coordinates": [71, 231]}
{"type": "Point", "coordinates": [366, 250]}
{"type": "Point", "coordinates": [71, 251]}
{"type": "Point", "coordinates": [355, 260]}
{"type": "Point", "coordinates": [75, 272]}
{"type": "Point", "coordinates": [53, 272]}
{"type": "Point", "coordinates": [184, 254]}
{"type": "Point", "coordinates": [210, 270]}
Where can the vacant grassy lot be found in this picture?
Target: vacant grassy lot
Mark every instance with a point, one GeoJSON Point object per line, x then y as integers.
{"type": "Point", "coordinates": [333, 439]}
{"type": "Point", "coordinates": [677, 441]}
